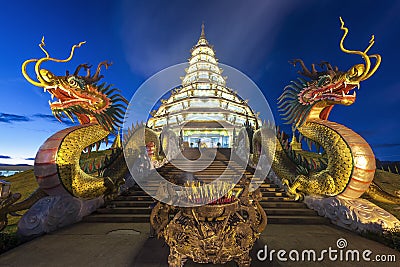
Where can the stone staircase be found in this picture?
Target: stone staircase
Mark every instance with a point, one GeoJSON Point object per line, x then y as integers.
{"type": "Point", "coordinates": [135, 206]}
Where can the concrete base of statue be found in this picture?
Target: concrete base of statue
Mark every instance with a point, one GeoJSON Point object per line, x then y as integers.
{"type": "Point", "coordinates": [54, 212]}
{"type": "Point", "coordinates": [359, 215]}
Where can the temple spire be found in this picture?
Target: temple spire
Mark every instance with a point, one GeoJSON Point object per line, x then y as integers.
{"type": "Point", "coordinates": [202, 40]}
{"type": "Point", "coordinates": [202, 35]}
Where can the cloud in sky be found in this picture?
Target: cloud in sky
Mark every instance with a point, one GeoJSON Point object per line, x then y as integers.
{"type": "Point", "coordinates": [11, 118]}
{"type": "Point", "coordinates": [30, 159]}
{"type": "Point", "coordinates": [51, 118]}
{"type": "Point", "coordinates": [4, 157]}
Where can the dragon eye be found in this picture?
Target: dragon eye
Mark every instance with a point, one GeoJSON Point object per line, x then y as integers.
{"type": "Point", "coordinates": [356, 71]}
{"type": "Point", "coordinates": [74, 82]}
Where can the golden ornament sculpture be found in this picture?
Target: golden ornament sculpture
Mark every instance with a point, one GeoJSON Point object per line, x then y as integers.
{"type": "Point", "coordinates": [213, 233]}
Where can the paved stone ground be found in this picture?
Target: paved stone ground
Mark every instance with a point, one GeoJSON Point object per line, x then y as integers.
{"type": "Point", "coordinates": [109, 244]}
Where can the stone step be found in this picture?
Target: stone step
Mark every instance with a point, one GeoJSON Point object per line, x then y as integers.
{"type": "Point", "coordinates": [286, 219]}
{"type": "Point", "coordinates": [117, 218]}
{"type": "Point", "coordinates": [271, 189]}
{"type": "Point", "coordinates": [208, 160]}
{"type": "Point", "coordinates": [266, 205]}
{"type": "Point", "coordinates": [198, 169]}
{"type": "Point", "coordinates": [144, 196]}
{"type": "Point", "coordinates": [146, 203]}
{"type": "Point", "coordinates": [276, 198]}
{"type": "Point", "coordinates": [264, 190]}
{"type": "Point", "coordinates": [177, 165]}
{"type": "Point", "coordinates": [125, 210]}
{"type": "Point", "coordinates": [141, 218]}
{"type": "Point", "coordinates": [136, 205]}
{"type": "Point", "coordinates": [209, 172]}
{"type": "Point", "coordinates": [282, 204]}
{"type": "Point", "coordinates": [269, 211]}
{"type": "Point", "coordinates": [154, 188]}
{"type": "Point", "coordinates": [290, 212]}
{"type": "Point", "coordinates": [221, 165]}
{"type": "Point", "coordinates": [214, 175]}
{"type": "Point", "coordinates": [267, 196]}
{"type": "Point", "coordinates": [273, 194]}
{"type": "Point", "coordinates": [150, 183]}
{"type": "Point", "coordinates": [129, 203]}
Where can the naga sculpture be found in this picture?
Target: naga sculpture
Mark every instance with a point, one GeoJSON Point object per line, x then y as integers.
{"type": "Point", "coordinates": [347, 165]}
{"type": "Point", "coordinates": [99, 110]}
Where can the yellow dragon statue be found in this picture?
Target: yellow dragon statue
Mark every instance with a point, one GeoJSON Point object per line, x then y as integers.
{"type": "Point", "coordinates": [347, 165]}
{"type": "Point", "coordinates": [98, 108]}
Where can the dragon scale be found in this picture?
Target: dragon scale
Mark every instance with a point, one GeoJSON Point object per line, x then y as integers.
{"type": "Point", "coordinates": [350, 167]}
{"type": "Point", "coordinates": [57, 162]}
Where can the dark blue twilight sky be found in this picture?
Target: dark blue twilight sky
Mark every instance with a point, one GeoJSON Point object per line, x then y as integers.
{"type": "Point", "coordinates": [143, 37]}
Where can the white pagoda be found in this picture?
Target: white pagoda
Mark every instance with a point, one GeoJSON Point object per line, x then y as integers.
{"type": "Point", "coordinates": [203, 110]}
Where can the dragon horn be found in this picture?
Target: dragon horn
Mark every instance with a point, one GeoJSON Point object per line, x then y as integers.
{"type": "Point", "coordinates": [305, 71]}
{"type": "Point", "coordinates": [96, 76]}
{"type": "Point", "coordinates": [366, 73]}
{"type": "Point", "coordinates": [85, 66]}
{"type": "Point", "coordinates": [48, 58]}
{"type": "Point", "coordinates": [377, 63]}
{"type": "Point", "coordinates": [326, 64]}
{"type": "Point", "coordinates": [42, 81]}
{"type": "Point", "coordinates": [29, 79]}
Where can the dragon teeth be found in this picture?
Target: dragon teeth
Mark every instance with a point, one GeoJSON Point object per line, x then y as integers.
{"type": "Point", "coordinates": [358, 86]}
{"type": "Point", "coordinates": [331, 90]}
{"type": "Point", "coordinates": [52, 96]}
{"type": "Point", "coordinates": [354, 94]}
{"type": "Point", "coordinates": [343, 94]}
{"type": "Point", "coordinates": [49, 102]}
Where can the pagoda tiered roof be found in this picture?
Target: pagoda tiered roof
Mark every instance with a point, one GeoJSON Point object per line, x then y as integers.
{"type": "Point", "coordinates": [203, 94]}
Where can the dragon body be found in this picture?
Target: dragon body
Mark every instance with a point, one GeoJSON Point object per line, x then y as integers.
{"type": "Point", "coordinates": [347, 165]}
{"type": "Point", "coordinates": [98, 109]}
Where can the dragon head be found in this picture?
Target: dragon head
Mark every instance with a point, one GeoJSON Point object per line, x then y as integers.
{"type": "Point", "coordinates": [314, 98]}
{"type": "Point", "coordinates": [78, 95]}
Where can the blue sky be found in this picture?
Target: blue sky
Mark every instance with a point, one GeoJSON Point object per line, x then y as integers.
{"type": "Point", "coordinates": [143, 37]}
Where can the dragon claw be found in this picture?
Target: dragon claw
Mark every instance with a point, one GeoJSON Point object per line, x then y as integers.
{"type": "Point", "coordinates": [297, 196]}
{"type": "Point", "coordinates": [113, 187]}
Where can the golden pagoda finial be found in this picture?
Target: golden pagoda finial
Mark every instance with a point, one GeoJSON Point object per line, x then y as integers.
{"type": "Point", "coordinates": [202, 35]}
{"type": "Point", "coordinates": [117, 142]}
{"type": "Point", "coordinates": [294, 144]}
